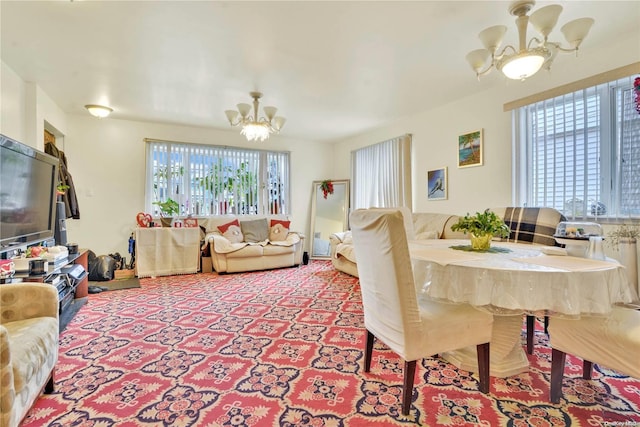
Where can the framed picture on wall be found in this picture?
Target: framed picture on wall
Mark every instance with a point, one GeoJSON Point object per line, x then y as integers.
{"type": "Point", "coordinates": [437, 184]}
{"type": "Point", "coordinates": [470, 149]}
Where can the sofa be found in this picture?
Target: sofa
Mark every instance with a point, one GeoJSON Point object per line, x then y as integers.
{"type": "Point", "coordinates": [28, 347]}
{"type": "Point", "coordinates": [528, 225]}
{"type": "Point", "coordinates": [423, 225]}
{"type": "Point", "coordinates": [239, 243]}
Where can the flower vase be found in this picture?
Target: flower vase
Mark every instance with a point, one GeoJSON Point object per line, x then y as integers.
{"type": "Point", "coordinates": [482, 242]}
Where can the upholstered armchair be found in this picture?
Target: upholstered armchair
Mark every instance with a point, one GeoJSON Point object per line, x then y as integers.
{"type": "Point", "coordinates": [28, 347]}
{"type": "Point", "coordinates": [393, 314]}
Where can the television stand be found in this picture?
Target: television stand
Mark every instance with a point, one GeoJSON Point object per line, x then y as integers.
{"type": "Point", "coordinates": [72, 283]}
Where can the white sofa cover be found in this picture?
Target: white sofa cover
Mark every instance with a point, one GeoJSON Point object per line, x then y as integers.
{"type": "Point", "coordinates": [234, 257]}
{"type": "Point", "coordinates": [424, 225]}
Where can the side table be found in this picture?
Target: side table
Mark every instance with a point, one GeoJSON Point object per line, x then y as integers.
{"type": "Point", "coordinates": [164, 251]}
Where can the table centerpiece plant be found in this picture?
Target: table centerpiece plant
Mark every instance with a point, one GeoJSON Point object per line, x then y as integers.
{"type": "Point", "coordinates": [482, 227]}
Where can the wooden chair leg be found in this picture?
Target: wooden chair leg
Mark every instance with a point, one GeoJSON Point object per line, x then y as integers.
{"type": "Point", "coordinates": [48, 387]}
{"type": "Point", "coordinates": [368, 351]}
{"type": "Point", "coordinates": [587, 369]}
{"type": "Point", "coordinates": [546, 325]}
{"type": "Point", "coordinates": [531, 324]}
{"type": "Point", "coordinates": [557, 373]}
{"type": "Point", "coordinates": [483, 367]}
{"type": "Point", "coordinates": [407, 387]}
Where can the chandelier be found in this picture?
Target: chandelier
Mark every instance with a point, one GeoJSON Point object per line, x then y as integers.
{"type": "Point", "coordinates": [531, 56]}
{"type": "Point", "coordinates": [253, 127]}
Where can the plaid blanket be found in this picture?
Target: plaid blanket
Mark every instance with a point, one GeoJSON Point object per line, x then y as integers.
{"type": "Point", "coordinates": [531, 225]}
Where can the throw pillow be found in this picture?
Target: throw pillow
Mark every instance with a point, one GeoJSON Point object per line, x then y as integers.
{"type": "Point", "coordinates": [279, 230]}
{"type": "Point", "coordinates": [255, 231]}
{"type": "Point", "coordinates": [232, 231]}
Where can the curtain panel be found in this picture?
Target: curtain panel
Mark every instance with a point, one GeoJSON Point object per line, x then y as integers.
{"type": "Point", "coordinates": [381, 174]}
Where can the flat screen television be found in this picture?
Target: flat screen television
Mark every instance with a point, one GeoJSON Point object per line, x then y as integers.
{"type": "Point", "coordinates": [28, 184]}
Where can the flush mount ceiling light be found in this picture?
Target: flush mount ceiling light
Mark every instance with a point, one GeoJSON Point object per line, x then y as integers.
{"type": "Point", "coordinates": [531, 56]}
{"type": "Point", "coordinates": [253, 127]}
{"type": "Point", "coordinates": [99, 111]}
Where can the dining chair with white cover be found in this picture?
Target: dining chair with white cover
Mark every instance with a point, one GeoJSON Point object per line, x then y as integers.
{"type": "Point", "coordinates": [612, 341]}
{"type": "Point", "coordinates": [414, 328]}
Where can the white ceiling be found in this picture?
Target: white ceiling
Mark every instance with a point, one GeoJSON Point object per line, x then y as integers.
{"type": "Point", "coordinates": [333, 68]}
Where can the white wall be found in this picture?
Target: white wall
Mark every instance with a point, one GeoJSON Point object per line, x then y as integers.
{"type": "Point", "coordinates": [12, 104]}
{"type": "Point", "coordinates": [106, 158]}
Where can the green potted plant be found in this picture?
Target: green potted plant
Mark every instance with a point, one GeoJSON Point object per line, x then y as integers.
{"type": "Point", "coordinates": [482, 227]}
{"type": "Point", "coordinates": [623, 239]}
{"type": "Point", "coordinates": [168, 209]}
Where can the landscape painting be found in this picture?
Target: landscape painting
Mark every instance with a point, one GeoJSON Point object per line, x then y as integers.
{"type": "Point", "coordinates": [470, 149]}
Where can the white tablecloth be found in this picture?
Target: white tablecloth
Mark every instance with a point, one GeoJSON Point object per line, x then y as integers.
{"type": "Point", "coordinates": [164, 251]}
{"type": "Point", "coordinates": [522, 280]}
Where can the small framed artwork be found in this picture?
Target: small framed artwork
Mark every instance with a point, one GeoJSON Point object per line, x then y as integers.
{"type": "Point", "coordinates": [470, 149]}
{"type": "Point", "coordinates": [437, 184]}
{"type": "Point", "coordinates": [191, 222]}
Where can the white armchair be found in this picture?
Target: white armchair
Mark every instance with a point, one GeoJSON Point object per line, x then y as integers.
{"type": "Point", "coordinates": [392, 313]}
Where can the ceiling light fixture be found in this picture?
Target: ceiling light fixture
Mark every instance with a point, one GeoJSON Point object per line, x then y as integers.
{"type": "Point", "coordinates": [530, 57]}
{"type": "Point", "coordinates": [99, 111]}
{"type": "Point", "coordinates": [253, 127]}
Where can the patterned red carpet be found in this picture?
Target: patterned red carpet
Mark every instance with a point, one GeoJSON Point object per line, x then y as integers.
{"type": "Point", "coordinates": [284, 348]}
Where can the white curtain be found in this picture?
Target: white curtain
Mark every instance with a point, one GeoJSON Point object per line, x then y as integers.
{"type": "Point", "coordinates": [381, 174]}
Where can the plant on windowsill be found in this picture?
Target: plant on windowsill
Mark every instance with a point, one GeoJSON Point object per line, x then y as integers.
{"type": "Point", "coordinates": [482, 227]}
{"type": "Point", "coordinates": [623, 239]}
{"type": "Point", "coordinates": [168, 209]}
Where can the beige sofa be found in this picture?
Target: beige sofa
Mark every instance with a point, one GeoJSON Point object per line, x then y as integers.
{"type": "Point", "coordinates": [255, 244]}
{"type": "Point", "coordinates": [28, 347]}
{"type": "Point", "coordinates": [424, 225]}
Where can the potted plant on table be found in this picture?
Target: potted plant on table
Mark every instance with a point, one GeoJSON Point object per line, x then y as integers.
{"type": "Point", "coordinates": [482, 227]}
{"type": "Point", "coordinates": [168, 209]}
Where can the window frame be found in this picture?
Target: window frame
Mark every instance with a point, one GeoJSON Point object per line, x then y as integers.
{"type": "Point", "coordinates": [610, 144]}
{"type": "Point", "coordinates": [215, 179]}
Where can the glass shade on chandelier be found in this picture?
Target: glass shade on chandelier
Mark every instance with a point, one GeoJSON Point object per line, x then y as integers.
{"type": "Point", "coordinates": [255, 128]}
{"type": "Point", "coordinates": [532, 55]}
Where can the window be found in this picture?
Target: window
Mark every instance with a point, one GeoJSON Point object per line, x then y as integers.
{"type": "Point", "coordinates": [580, 153]}
{"type": "Point", "coordinates": [210, 180]}
{"type": "Point", "coordinates": [381, 174]}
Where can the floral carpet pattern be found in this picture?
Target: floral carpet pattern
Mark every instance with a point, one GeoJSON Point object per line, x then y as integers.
{"type": "Point", "coordinates": [285, 348]}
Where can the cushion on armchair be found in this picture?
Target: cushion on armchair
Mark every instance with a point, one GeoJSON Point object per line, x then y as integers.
{"type": "Point", "coordinates": [531, 225]}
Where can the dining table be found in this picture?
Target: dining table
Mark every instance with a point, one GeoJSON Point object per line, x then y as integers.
{"type": "Point", "coordinates": [509, 281]}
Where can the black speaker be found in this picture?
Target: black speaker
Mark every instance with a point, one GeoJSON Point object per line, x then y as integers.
{"type": "Point", "coordinates": [305, 258]}
{"type": "Point", "coordinates": [61, 224]}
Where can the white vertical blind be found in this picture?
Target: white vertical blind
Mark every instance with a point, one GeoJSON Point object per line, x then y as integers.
{"type": "Point", "coordinates": [210, 180]}
{"type": "Point", "coordinates": [582, 152]}
{"type": "Point", "coordinates": [381, 174]}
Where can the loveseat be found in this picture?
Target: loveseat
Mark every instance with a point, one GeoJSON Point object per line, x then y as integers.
{"type": "Point", "coordinates": [28, 347]}
{"type": "Point", "coordinates": [527, 225]}
{"type": "Point", "coordinates": [239, 243]}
